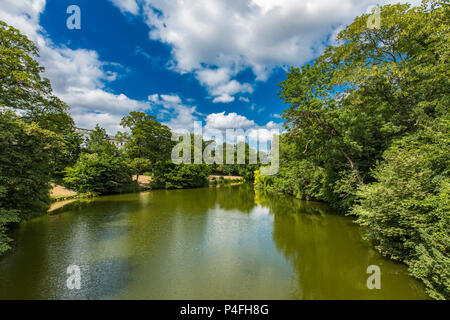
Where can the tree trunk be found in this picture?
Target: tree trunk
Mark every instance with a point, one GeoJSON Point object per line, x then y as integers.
{"type": "Point", "coordinates": [353, 166]}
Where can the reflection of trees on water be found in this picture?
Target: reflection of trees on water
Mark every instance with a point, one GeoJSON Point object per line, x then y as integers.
{"type": "Point", "coordinates": [317, 248]}
{"type": "Point", "coordinates": [310, 238]}
{"type": "Point", "coordinates": [124, 202]}
{"type": "Point", "coordinates": [241, 197]}
{"type": "Point", "coordinates": [73, 234]}
{"type": "Point", "coordinates": [191, 201]}
{"type": "Point", "coordinates": [160, 240]}
{"type": "Point", "coordinates": [327, 254]}
{"type": "Point", "coordinates": [283, 204]}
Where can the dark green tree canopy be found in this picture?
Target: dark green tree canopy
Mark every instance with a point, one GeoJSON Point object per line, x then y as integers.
{"type": "Point", "coordinates": [149, 139]}
{"type": "Point", "coordinates": [347, 107]}
{"type": "Point", "coordinates": [22, 86]}
{"type": "Point", "coordinates": [99, 143]}
{"type": "Point", "coordinates": [26, 161]}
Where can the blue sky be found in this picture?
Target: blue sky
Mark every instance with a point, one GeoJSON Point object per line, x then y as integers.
{"type": "Point", "coordinates": [215, 61]}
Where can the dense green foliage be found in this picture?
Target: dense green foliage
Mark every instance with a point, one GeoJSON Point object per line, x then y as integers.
{"type": "Point", "coordinates": [35, 145]}
{"type": "Point", "coordinates": [22, 88]}
{"type": "Point", "coordinates": [407, 209]}
{"type": "Point", "coordinates": [169, 175]}
{"type": "Point", "coordinates": [149, 140]}
{"type": "Point", "coordinates": [25, 170]}
{"type": "Point", "coordinates": [98, 143]}
{"type": "Point", "coordinates": [241, 163]}
{"type": "Point", "coordinates": [367, 132]}
{"type": "Point", "coordinates": [140, 166]}
{"type": "Point", "coordinates": [377, 85]}
{"type": "Point", "coordinates": [100, 173]}
{"type": "Point", "coordinates": [296, 176]}
{"type": "Point", "coordinates": [178, 176]}
{"type": "Point", "coordinates": [101, 169]}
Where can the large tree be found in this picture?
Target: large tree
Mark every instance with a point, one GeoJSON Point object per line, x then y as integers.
{"type": "Point", "coordinates": [23, 89]}
{"type": "Point", "coordinates": [150, 140]}
{"type": "Point", "coordinates": [407, 210]}
{"type": "Point", "coordinates": [98, 142]}
{"type": "Point", "coordinates": [37, 135]}
{"type": "Point", "coordinates": [102, 169]}
{"type": "Point", "coordinates": [368, 127]}
{"type": "Point", "coordinates": [376, 85]}
{"type": "Point", "coordinates": [22, 86]}
{"type": "Point", "coordinates": [25, 170]}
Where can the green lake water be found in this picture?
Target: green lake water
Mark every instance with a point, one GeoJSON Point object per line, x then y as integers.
{"type": "Point", "coordinates": [225, 243]}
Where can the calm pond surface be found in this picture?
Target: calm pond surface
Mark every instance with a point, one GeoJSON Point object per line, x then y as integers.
{"type": "Point", "coordinates": [226, 243]}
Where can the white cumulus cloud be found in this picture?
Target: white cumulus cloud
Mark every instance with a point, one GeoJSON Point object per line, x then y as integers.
{"type": "Point", "coordinates": [222, 121]}
{"type": "Point", "coordinates": [217, 39]}
{"type": "Point", "coordinates": [181, 115]}
{"type": "Point", "coordinates": [129, 6]}
{"type": "Point", "coordinates": [228, 121]}
{"type": "Point", "coordinates": [78, 77]}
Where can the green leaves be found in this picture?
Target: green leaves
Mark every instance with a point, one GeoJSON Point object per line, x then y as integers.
{"type": "Point", "coordinates": [35, 145]}
{"type": "Point", "coordinates": [149, 139]}
{"type": "Point", "coordinates": [6, 217]}
{"type": "Point", "coordinates": [21, 85]}
{"type": "Point", "coordinates": [99, 143]}
{"type": "Point", "coordinates": [103, 169]}
{"type": "Point", "coordinates": [172, 176]}
{"type": "Point", "coordinates": [100, 174]}
{"type": "Point", "coordinates": [368, 121]}
{"type": "Point", "coordinates": [348, 106]}
{"type": "Point", "coordinates": [407, 209]}
{"type": "Point", "coordinates": [26, 159]}
{"type": "Point", "coordinates": [140, 165]}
